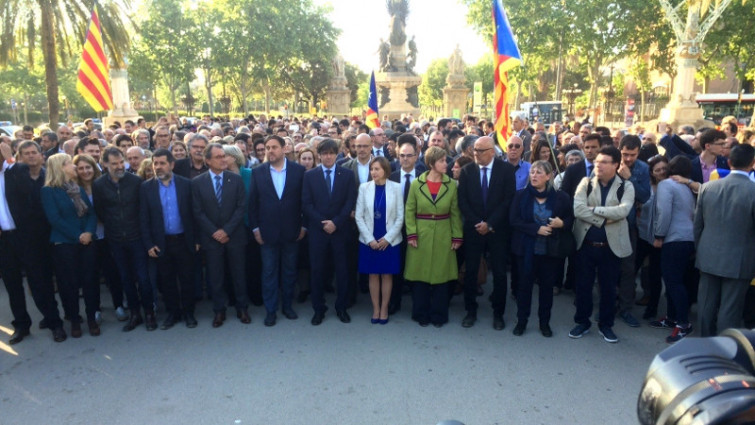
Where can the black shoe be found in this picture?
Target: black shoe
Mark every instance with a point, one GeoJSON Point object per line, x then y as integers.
{"type": "Point", "coordinates": [519, 328]}
{"type": "Point", "coordinates": [270, 319]}
{"type": "Point", "coordinates": [43, 324]}
{"type": "Point", "coordinates": [343, 316]}
{"type": "Point", "coordinates": [546, 331]}
{"type": "Point", "coordinates": [150, 321]}
{"type": "Point", "coordinates": [424, 324]}
{"type": "Point", "coordinates": [133, 322]}
{"type": "Point", "coordinates": [302, 297]}
{"type": "Point", "coordinates": [498, 323]}
{"type": "Point", "coordinates": [191, 321]}
{"type": "Point", "coordinates": [18, 336]}
{"type": "Point", "coordinates": [317, 318]}
{"type": "Point", "coordinates": [169, 321]}
{"type": "Point", "coordinates": [58, 334]}
{"type": "Point", "coordinates": [469, 320]}
{"type": "Point", "coordinates": [393, 309]}
{"type": "Point", "coordinates": [290, 314]}
{"type": "Point", "coordinates": [438, 325]}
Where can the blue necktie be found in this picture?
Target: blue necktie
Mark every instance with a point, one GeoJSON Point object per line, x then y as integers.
{"type": "Point", "coordinates": [218, 189]}
{"type": "Point", "coordinates": [484, 186]}
{"type": "Point", "coordinates": [328, 181]}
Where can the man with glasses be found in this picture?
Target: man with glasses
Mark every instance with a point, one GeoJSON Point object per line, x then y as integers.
{"type": "Point", "coordinates": [712, 143]}
{"type": "Point", "coordinates": [378, 143]}
{"type": "Point", "coordinates": [514, 151]}
{"type": "Point", "coordinates": [486, 189]}
{"type": "Point", "coordinates": [194, 165]}
{"type": "Point", "coordinates": [162, 138]}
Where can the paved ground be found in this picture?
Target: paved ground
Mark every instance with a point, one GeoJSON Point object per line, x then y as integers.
{"type": "Point", "coordinates": [295, 373]}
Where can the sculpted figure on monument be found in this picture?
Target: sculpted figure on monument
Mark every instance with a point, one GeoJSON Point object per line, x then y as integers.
{"type": "Point", "coordinates": [398, 10]}
{"type": "Point", "coordinates": [385, 56]}
{"type": "Point", "coordinates": [412, 57]}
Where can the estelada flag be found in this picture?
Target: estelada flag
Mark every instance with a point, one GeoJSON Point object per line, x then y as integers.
{"type": "Point", "coordinates": [506, 57]}
{"type": "Point", "coordinates": [373, 120]}
{"type": "Point", "coordinates": [93, 81]}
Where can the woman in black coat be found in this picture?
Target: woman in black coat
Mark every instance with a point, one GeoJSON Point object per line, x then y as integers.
{"type": "Point", "coordinates": [541, 218]}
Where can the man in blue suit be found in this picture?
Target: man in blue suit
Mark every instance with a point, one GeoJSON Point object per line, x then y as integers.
{"type": "Point", "coordinates": [328, 197]}
{"type": "Point", "coordinates": [275, 218]}
{"type": "Point", "coordinates": [168, 236]}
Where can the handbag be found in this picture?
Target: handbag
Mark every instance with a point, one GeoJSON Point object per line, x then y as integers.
{"type": "Point", "coordinates": [561, 244]}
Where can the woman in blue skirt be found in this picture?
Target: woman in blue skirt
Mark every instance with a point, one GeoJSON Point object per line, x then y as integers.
{"type": "Point", "coordinates": [380, 216]}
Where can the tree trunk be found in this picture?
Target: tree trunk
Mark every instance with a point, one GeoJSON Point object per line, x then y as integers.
{"type": "Point", "coordinates": [642, 105]}
{"type": "Point", "coordinates": [208, 86]}
{"type": "Point", "coordinates": [268, 96]}
{"type": "Point", "coordinates": [48, 52]}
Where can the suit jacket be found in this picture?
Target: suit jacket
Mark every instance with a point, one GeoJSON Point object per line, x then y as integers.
{"type": "Point", "coordinates": [697, 170]}
{"type": "Point", "coordinates": [572, 177]}
{"type": "Point", "coordinates": [394, 212]}
{"type": "Point", "coordinates": [211, 217]}
{"type": "Point", "coordinates": [279, 220]}
{"type": "Point", "coordinates": [320, 204]}
{"type": "Point", "coordinates": [526, 141]}
{"type": "Point", "coordinates": [67, 226]}
{"type": "Point", "coordinates": [419, 166]}
{"type": "Point", "coordinates": [501, 191]}
{"type": "Point", "coordinates": [616, 232]}
{"type": "Point", "coordinates": [151, 213]}
{"type": "Point", "coordinates": [25, 204]}
{"type": "Point", "coordinates": [725, 227]}
{"type": "Point", "coordinates": [353, 166]}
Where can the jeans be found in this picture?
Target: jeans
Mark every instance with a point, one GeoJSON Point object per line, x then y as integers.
{"type": "Point", "coordinates": [675, 258]}
{"type": "Point", "coordinates": [279, 267]}
{"type": "Point", "coordinates": [131, 259]}
{"type": "Point", "coordinates": [74, 267]}
{"type": "Point", "coordinates": [653, 289]}
{"type": "Point", "coordinates": [608, 265]}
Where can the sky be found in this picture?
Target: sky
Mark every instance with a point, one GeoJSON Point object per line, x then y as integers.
{"type": "Point", "coordinates": [439, 25]}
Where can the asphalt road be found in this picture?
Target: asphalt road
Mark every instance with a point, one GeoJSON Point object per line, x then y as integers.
{"type": "Point", "coordinates": [294, 373]}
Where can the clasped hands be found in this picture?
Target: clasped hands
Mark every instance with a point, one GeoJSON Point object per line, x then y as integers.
{"type": "Point", "coordinates": [554, 223]}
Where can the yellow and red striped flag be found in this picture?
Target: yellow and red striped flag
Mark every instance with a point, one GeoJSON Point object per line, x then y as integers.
{"type": "Point", "coordinates": [94, 75]}
{"type": "Point", "coordinates": [373, 120]}
{"type": "Point", "coordinates": [506, 57]}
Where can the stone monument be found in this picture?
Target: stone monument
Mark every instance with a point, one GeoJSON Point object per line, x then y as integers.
{"type": "Point", "coordinates": [122, 109]}
{"type": "Point", "coordinates": [338, 94]}
{"type": "Point", "coordinates": [396, 81]}
{"type": "Point", "coordinates": [455, 93]}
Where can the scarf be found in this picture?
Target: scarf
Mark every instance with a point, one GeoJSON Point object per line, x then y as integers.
{"type": "Point", "coordinates": [529, 197]}
{"type": "Point", "coordinates": [74, 192]}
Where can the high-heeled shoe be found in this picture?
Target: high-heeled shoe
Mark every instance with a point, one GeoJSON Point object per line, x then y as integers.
{"type": "Point", "coordinates": [383, 321]}
{"type": "Point", "coordinates": [374, 321]}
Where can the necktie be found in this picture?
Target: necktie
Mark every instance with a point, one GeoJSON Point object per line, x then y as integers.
{"type": "Point", "coordinates": [485, 186]}
{"type": "Point", "coordinates": [407, 185]}
{"type": "Point", "coordinates": [377, 152]}
{"type": "Point", "coordinates": [328, 181]}
{"type": "Point", "coordinates": [589, 170]}
{"type": "Point", "coordinates": [218, 189]}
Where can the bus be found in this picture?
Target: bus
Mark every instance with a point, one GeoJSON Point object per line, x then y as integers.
{"type": "Point", "coordinates": [716, 106]}
{"type": "Point", "coordinates": [546, 112]}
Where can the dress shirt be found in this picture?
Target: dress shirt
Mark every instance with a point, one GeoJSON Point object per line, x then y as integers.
{"type": "Point", "coordinates": [377, 152]}
{"type": "Point", "coordinates": [588, 166]}
{"type": "Point", "coordinates": [212, 177]}
{"type": "Point", "coordinates": [279, 178]}
{"type": "Point", "coordinates": [332, 175]}
{"type": "Point", "coordinates": [707, 170]}
{"type": "Point", "coordinates": [489, 166]}
{"type": "Point", "coordinates": [364, 171]}
{"type": "Point", "coordinates": [6, 220]}
{"type": "Point", "coordinates": [521, 173]}
{"type": "Point", "coordinates": [412, 175]}
{"type": "Point", "coordinates": [169, 202]}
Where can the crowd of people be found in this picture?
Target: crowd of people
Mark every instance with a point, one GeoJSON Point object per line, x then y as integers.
{"type": "Point", "coordinates": [270, 212]}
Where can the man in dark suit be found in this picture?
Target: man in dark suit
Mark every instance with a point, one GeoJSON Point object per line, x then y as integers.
{"type": "Point", "coordinates": [194, 164]}
{"type": "Point", "coordinates": [219, 202]}
{"type": "Point", "coordinates": [519, 125]}
{"type": "Point", "coordinates": [24, 237]}
{"type": "Point", "coordinates": [275, 218]}
{"type": "Point", "coordinates": [379, 143]}
{"type": "Point", "coordinates": [486, 189]}
{"type": "Point", "coordinates": [328, 198]}
{"type": "Point", "coordinates": [725, 240]}
{"type": "Point", "coordinates": [410, 169]}
{"type": "Point", "coordinates": [712, 142]}
{"type": "Point", "coordinates": [167, 223]}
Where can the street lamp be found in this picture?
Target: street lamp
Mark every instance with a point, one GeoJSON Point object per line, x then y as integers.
{"type": "Point", "coordinates": [572, 94]}
{"type": "Point", "coordinates": [65, 102]}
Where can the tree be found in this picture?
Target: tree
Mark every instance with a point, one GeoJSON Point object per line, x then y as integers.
{"type": "Point", "coordinates": [59, 22]}
{"type": "Point", "coordinates": [355, 77]}
{"type": "Point", "coordinates": [431, 90]}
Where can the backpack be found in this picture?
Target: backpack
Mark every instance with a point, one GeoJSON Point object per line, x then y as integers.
{"type": "Point", "coordinates": [619, 191]}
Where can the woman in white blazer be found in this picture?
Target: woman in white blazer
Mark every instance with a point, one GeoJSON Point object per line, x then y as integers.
{"type": "Point", "coordinates": [380, 217]}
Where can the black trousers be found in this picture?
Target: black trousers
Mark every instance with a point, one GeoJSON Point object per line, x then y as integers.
{"type": "Point", "coordinates": [543, 269]}
{"type": "Point", "coordinates": [176, 276]}
{"type": "Point", "coordinates": [22, 252]}
{"type": "Point", "coordinates": [74, 268]}
{"type": "Point", "coordinates": [430, 302]}
{"type": "Point", "coordinates": [475, 247]}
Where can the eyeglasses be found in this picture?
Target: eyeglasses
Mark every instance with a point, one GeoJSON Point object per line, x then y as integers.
{"type": "Point", "coordinates": [719, 143]}
{"type": "Point", "coordinates": [406, 155]}
{"type": "Point", "coordinates": [515, 146]}
{"type": "Point", "coordinates": [482, 150]}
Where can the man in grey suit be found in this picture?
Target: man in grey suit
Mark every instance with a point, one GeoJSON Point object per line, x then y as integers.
{"type": "Point", "coordinates": [725, 240]}
{"type": "Point", "coordinates": [219, 201]}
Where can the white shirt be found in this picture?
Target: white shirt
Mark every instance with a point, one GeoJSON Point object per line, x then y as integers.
{"type": "Point", "coordinates": [412, 175]}
{"type": "Point", "coordinates": [363, 171]}
{"type": "Point", "coordinates": [490, 170]}
{"type": "Point", "coordinates": [6, 220]}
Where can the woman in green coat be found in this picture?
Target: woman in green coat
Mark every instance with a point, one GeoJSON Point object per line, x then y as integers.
{"type": "Point", "coordinates": [434, 233]}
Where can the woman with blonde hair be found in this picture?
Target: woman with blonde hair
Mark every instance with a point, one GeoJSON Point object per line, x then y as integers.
{"type": "Point", "coordinates": [145, 170]}
{"type": "Point", "coordinates": [73, 224]}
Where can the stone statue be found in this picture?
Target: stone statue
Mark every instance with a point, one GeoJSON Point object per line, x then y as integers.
{"type": "Point", "coordinates": [338, 66]}
{"type": "Point", "coordinates": [412, 57]}
{"type": "Point", "coordinates": [385, 56]}
{"type": "Point", "coordinates": [412, 97]}
{"type": "Point", "coordinates": [455, 63]}
{"type": "Point", "coordinates": [384, 96]}
{"type": "Point", "coordinates": [398, 10]}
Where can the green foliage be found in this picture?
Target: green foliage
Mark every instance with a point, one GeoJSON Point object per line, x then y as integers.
{"type": "Point", "coordinates": [434, 79]}
{"type": "Point", "coordinates": [356, 78]}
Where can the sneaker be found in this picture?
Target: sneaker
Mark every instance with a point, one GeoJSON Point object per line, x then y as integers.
{"type": "Point", "coordinates": [579, 331]}
{"type": "Point", "coordinates": [663, 323]}
{"type": "Point", "coordinates": [121, 314]}
{"type": "Point", "coordinates": [98, 317]}
{"type": "Point", "coordinates": [629, 319]}
{"type": "Point", "coordinates": [678, 333]}
{"type": "Point", "coordinates": [608, 335]}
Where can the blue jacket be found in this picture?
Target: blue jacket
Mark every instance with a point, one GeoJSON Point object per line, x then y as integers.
{"type": "Point", "coordinates": [640, 179]}
{"type": "Point", "coordinates": [66, 225]}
